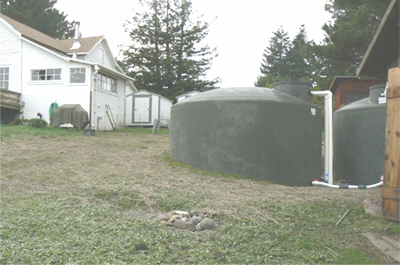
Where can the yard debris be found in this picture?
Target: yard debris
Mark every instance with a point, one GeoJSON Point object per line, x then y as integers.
{"type": "Point", "coordinates": [195, 220]}
{"type": "Point", "coordinates": [341, 219]}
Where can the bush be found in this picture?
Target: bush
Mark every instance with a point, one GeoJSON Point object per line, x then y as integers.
{"type": "Point", "coordinates": [38, 123]}
{"type": "Point", "coordinates": [19, 122]}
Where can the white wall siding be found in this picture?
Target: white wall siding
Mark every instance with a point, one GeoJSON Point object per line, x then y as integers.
{"type": "Point", "coordinates": [38, 95]}
{"type": "Point", "coordinates": [10, 56]}
{"type": "Point", "coordinates": [165, 109]}
{"type": "Point", "coordinates": [117, 105]}
{"type": "Point", "coordinates": [93, 56]}
{"type": "Point", "coordinates": [129, 109]}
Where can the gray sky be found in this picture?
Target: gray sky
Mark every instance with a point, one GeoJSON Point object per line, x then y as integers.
{"type": "Point", "coordinates": [240, 29]}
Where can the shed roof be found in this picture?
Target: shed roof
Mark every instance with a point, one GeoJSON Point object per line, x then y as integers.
{"type": "Point", "coordinates": [384, 47]}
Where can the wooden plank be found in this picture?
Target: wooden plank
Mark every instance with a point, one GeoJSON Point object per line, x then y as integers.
{"type": "Point", "coordinates": [390, 193]}
{"type": "Point", "coordinates": [387, 245]}
{"type": "Point", "coordinates": [110, 117]}
{"type": "Point", "coordinates": [390, 206]}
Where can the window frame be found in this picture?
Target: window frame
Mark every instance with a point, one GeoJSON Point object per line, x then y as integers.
{"type": "Point", "coordinates": [77, 68]}
{"type": "Point", "coordinates": [5, 77]}
{"type": "Point", "coordinates": [101, 56]}
{"type": "Point", "coordinates": [106, 83]}
{"type": "Point", "coordinates": [46, 75]}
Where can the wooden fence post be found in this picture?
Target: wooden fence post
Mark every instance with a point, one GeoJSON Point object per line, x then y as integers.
{"type": "Point", "coordinates": [391, 182]}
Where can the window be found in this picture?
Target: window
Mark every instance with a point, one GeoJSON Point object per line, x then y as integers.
{"type": "Point", "coordinates": [46, 75]}
{"type": "Point", "coordinates": [101, 56]}
{"type": "Point", "coordinates": [106, 83]}
{"type": "Point", "coordinates": [4, 77]}
{"type": "Point", "coordinates": [355, 97]}
{"type": "Point", "coordinates": [77, 75]}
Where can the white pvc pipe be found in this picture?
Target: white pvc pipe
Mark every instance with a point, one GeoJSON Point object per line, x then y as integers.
{"type": "Point", "coordinates": [328, 133]}
{"type": "Point", "coordinates": [346, 186]}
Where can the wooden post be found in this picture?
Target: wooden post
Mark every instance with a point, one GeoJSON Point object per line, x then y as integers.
{"type": "Point", "coordinates": [391, 182]}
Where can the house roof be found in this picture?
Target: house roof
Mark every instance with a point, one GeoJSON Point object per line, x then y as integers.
{"type": "Point", "coordinates": [384, 47]}
{"type": "Point", "coordinates": [86, 44]}
{"type": "Point", "coordinates": [62, 46]}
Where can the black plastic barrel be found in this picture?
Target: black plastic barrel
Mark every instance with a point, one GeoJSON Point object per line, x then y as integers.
{"type": "Point", "coordinates": [359, 140]}
{"type": "Point", "coordinates": [272, 134]}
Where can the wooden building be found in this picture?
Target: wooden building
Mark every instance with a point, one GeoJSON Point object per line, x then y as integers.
{"type": "Point", "coordinates": [348, 89]}
{"type": "Point", "coordinates": [382, 60]}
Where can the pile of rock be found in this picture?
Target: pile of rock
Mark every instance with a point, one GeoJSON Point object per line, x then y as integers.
{"type": "Point", "coordinates": [194, 220]}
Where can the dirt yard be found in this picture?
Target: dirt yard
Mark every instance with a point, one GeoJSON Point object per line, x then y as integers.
{"type": "Point", "coordinates": [142, 155]}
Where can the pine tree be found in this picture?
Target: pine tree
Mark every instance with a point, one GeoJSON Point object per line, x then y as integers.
{"type": "Point", "coordinates": [273, 62]}
{"type": "Point", "coordinates": [349, 34]}
{"type": "Point", "coordinates": [40, 15]}
{"type": "Point", "coordinates": [286, 60]}
{"type": "Point", "coordinates": [298, 59]}
{"type": "Point", "coordinates": [166, 56]}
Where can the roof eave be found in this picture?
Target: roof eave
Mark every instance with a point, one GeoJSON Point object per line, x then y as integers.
{"type": "Point", "coordinates": [363, 63]}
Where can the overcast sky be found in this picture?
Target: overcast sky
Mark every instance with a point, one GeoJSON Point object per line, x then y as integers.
{"type": "Point", "coordinates": [240, 29]}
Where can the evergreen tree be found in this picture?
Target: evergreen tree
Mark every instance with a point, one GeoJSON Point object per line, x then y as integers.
{"type": "Point", "coordinates": [348, 35]}
{"type": "Point", "coordinates": [166, 56]}
{"type": "Point", "coordinates": [40, 15]}
{"type": "Point", "coordinates": [284, 60]}
{"type": "Point", "coordinates": [298, 58]}
{"type": "Point", "coordinates": [273, 62]}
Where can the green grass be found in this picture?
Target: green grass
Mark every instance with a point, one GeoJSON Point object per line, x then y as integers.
{"type": "Point", "coordinates": [68, 215]}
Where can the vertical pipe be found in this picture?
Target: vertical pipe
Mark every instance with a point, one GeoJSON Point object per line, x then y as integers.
{"type": "Point", "coordinates": [328, 133]}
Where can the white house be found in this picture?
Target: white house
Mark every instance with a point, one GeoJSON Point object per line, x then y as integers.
{"type": "Point", "coordinates": [143, 107]}
{"type": "Point", "coordinates": [37, 70]}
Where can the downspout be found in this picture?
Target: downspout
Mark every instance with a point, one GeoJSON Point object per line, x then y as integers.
{"type": "Point", "coordinates": [94, 75]}
{"type": "Point", "coordinates": [328, 170]}
{"type": "Point", "coordinates": [20, 76]}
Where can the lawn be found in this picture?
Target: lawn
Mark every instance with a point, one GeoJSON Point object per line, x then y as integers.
{"type": "Point", "coordinates": [70, 198]}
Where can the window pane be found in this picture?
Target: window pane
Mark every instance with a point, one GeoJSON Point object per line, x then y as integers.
{"type": "Point", "coordinates": [46, 74]}
{"type": "Point", "coordinates": [4, 77]}
{"type": "Point", "coordinates": [78, 75]}
{"type": "Point", "coordinates": [42, 74]}
{"type": "Point", "coordinates": [106, 83]}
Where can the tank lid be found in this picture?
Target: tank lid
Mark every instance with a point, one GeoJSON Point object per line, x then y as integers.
{"type": "Point", "coordinates": [300, 90]}
{"type": "Point", "coordinates": [375, 92]}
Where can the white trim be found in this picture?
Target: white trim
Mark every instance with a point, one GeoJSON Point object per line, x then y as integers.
{"type": "Point", "coordinates": [8, 25]}
{"type": "Point", "coordinates": [46, 49]}
{"type": "Point", "coordinates": [69, 76]}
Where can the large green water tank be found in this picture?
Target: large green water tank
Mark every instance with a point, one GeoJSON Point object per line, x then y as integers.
{"type": "Point", "coordinates": [359, 139]}
{"type": "Point", "coordinates": [272, 134]}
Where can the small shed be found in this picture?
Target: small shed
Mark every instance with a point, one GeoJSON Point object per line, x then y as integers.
{"type": "Point", "coordinates": [143, 107]}
{"type": "Point", "coordinates": [348, 89]}
{"type": "Point", "coordinates": [186, 95]}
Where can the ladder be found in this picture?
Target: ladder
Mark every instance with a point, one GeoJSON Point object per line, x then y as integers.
{"type": "Point", "coordinates": [110, 117]}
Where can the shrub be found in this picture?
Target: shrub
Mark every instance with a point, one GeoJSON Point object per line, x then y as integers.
{"type": "Point", "coordinates": [38, 123]}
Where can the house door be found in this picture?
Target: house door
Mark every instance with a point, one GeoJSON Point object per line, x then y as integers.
{"type": "Point", "coordinates": [142, 109]}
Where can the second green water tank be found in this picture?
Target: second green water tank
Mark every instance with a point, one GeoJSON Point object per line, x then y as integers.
{"type": "Point", "coordinates": [359, 140]}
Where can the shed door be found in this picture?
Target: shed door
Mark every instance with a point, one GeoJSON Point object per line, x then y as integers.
{"type": "Point", "coordinates": [142, 109]}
